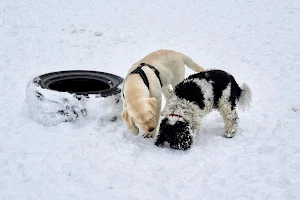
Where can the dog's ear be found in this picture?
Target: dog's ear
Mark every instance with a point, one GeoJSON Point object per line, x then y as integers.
{"type": "Point", "coordinates": [153, 105]}
{"type": "Point", "coordinates": [184, 139]}
{"type": "Point", "coordinates": [161, 138]}
{"type": "Point", "coordinates": [127, 119]}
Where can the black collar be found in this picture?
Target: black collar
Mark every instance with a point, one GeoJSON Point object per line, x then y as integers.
{"type": "Point", "coordinates": [139, 71]}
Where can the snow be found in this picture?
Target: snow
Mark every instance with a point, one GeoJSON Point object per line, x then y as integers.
{"type": "Point", "coordinates": [256, 41]}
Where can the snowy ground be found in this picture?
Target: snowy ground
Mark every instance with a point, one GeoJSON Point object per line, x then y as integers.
{"type": "Point", "coordinates": [256, 41]}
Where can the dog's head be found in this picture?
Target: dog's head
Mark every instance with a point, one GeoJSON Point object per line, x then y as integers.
{"type": "Point", "coordinates": [142, 112]}
{"type": "Point", "coordinates": [176, 132]}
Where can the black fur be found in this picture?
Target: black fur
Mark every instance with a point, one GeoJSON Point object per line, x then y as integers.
{"type": "Point", "coordinates": [220, 80]}
{"type": "Point", "coordinates": [191, 92]}
{"type": "Point", "coordinates": [177, 135]}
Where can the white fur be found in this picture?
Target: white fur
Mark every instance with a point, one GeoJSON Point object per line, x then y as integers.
{"type": "Point", "coordinates": [207, 91]}
{"type": "Point", "coordinates": [174, 119]}
{"type": "Point", "coordinates": [246, 97]}
{"type": "Point", "coordinates": [225, 96]}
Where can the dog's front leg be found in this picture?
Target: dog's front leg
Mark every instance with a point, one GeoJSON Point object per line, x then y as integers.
{"type": "Point", "coordinates": [134, 129]}
{"type": "Point", "coordinates": [157, 116]}
{"type": "Point", "coordinates": [166, 90]}
{"type": "Point", "coordinates": [149, 134]}
{"type": "Point", "coordinates": [196, 126]}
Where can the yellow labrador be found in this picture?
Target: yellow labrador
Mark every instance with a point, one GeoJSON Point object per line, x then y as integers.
{"type": "Point", "coordinates": [158, 72]}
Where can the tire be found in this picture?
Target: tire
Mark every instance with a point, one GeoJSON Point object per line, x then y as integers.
{"type": "Point", "coordinates": [67, 96]}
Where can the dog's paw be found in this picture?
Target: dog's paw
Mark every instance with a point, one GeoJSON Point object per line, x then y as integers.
{"type": "Point", "coordinates": [228, 134]}
{"type": "Point", "coordinates": [159, 143]}
{"type": "Point", "coordinates": [149, 134]}
{"type": "Point", "coordinates": [134, 130]}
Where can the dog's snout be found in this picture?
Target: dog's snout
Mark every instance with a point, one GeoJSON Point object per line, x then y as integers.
{"type": "Point", "coordinates": [151, 129]}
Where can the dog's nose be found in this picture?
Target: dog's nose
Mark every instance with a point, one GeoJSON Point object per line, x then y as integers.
{"type": "Point", "coordinates": [151, 129]}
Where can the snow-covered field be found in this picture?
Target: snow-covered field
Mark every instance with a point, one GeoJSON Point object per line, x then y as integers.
{"type": "Point", "coordinates": [257, 41]}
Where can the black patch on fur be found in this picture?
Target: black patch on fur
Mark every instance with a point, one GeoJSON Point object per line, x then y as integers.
{"type": "Point", "coordinates": [235, 93]}
{"type": "Point", "coordinates": [177, 135]}
{"type": "Point", "coordinates": [190, 91]}
{"type": "Point", "coordinates": [220, 80]}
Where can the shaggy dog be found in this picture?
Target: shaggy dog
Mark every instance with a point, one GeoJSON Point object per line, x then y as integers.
{"type": "Point", "coordinates": [156, 73]}
{"type": "Point", "coordinates": [194, 98]}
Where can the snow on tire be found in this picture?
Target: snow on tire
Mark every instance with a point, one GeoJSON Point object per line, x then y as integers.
{"type": "Point", "coordinates": [67, 96]}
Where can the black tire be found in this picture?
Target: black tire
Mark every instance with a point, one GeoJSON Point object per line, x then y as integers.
{"type": "Point", "coordinates": [62, 96]}
{"type": "Point", "coordinates": [81, 82]}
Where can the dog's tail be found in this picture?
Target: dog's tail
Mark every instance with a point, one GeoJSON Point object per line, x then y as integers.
{"type": "Point", "coordinates": [190, 63]}
{"type": "Point", "coordinates": [246, 97]}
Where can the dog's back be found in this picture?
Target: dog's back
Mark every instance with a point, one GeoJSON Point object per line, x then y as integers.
{"type": "Point", "coordinates": [210, 87]}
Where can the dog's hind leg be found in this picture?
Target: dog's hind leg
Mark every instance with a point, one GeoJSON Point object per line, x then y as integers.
{"type": "Point", "coordinates": [178, 76]}
{"type": "Point", "coordinates": [230, 118]}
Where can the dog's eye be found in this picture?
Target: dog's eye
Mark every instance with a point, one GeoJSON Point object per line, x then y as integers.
{"type": "Point", "coordinates": [150, 119]}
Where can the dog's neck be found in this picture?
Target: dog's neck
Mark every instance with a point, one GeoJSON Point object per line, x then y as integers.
{"type": "Point", "coordinates": [184, 108]}
{"type": "Point", "coordinates": [134, 88]}
{"type": "Point", "coordinates": [178, 116]}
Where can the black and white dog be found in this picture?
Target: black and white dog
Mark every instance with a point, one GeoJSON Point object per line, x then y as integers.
{"type": "Point", "coordinates": [194, 98]}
